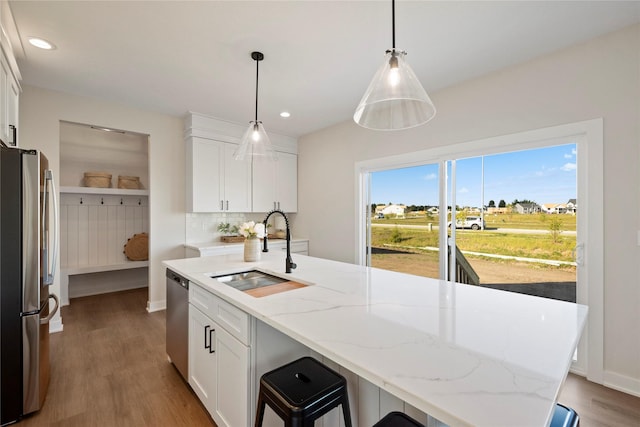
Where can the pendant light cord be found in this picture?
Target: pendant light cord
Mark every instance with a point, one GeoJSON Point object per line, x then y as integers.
{"type": "Point", "coordinates": [257, 65]}
{"type": "Point", "coordinates": [393, 24]}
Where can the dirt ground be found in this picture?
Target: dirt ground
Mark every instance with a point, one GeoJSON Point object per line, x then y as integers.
{"type": "Point", "coordinates": [490, 272]}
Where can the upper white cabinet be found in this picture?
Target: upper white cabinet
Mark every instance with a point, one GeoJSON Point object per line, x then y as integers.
{"type": "Point", "coordinates": [275, 184]}
{"type": "Point", "coordinates": [9, 95]}
{"type": "Point", "coordinates": [216, 182]}
{"type": "Point", "coordinates": [9, 75]}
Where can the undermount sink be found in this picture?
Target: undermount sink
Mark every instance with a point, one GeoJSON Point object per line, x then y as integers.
{"type": "Point", "coordinates": [250, 281]}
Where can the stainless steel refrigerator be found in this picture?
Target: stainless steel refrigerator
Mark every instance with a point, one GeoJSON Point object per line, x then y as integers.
{"type": "Point", "coordinates": [27, 267]}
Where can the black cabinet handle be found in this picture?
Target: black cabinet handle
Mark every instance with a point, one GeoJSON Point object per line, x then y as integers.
{"type": "Point", "coordinates": [207, 334]}
{"type": "Point", "coordinates": [14, 130]}
{"type": "Point", "coordinates": [211, 349]}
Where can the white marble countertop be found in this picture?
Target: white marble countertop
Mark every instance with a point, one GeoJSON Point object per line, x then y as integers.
{"type": "Point", "coordinates": [463, 354]}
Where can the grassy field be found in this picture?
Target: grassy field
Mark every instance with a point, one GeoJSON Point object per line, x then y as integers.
{"type": "Point", "coordinates": [522, 245]}
{"type": "Point", "coordinates": [520, 221]}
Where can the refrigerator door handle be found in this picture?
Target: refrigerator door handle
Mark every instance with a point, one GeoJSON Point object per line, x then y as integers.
{"type": "Point", "coordinates": [48, 277]}
{"type": "Point", "coordinates": [52, 313]}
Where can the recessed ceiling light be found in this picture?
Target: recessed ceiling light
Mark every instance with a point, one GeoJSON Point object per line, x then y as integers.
{"type": "Point", "coordinates": [41, 43]}
{"type": "Point", "coordinates": [285, 114]}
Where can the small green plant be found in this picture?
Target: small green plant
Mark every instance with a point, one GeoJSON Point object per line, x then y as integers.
{"type": "Point", "coordinates": [396, 235]}
{"type": "Point", "coordinates": [228, 229]}
{"type": "Point", "coordinates": [555, 228]}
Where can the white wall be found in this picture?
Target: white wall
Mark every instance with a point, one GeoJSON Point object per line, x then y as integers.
{"type": "Point", "coordinates": [40, 114]}
{"type": "Point", "coordinates": [600, 78]}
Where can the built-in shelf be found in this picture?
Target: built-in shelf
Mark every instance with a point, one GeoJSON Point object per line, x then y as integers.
{"type": "Point", "coordinates": [95, 190]}
{"type": "Point", "coordinates": [70, 271]}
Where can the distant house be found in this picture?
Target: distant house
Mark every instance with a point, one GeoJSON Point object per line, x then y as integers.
{"type": "Point", "coordinates": [527, 208]}
{"type": "Point", "coordinates": [397, 210]}
{"type": "Point", "coordinates": [554, 208]}
{"type": "Point", "coordinates": [572, 206]}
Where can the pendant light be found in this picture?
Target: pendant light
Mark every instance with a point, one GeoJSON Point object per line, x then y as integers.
{"type": "Point", "coordinates": [255, 143]}
{"type": "Point", "coordinates": [395, 99]}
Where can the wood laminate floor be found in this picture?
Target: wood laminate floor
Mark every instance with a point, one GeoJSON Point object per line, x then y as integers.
{"type": "Point", "coordinates": [109, 368]}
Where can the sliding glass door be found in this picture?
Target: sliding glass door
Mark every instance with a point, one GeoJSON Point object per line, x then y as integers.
{"type": "Point", "coordinates": [404, 220]}
{"type": "Point", "coordinates": [514, 213]}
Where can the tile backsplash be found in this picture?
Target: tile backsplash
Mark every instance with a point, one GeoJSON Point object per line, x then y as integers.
{"type": "Point", "coordinates": [203, 227]}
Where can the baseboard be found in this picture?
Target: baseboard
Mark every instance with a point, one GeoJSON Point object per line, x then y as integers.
{"type": "Point", "coordinates": [55, 325]}
{"type": "Point", "coordinates": [156, 306]}
{"type": "Point", "coordinates": [622, 383]}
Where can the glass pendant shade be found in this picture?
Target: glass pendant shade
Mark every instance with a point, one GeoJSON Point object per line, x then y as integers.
{"type": "Point", "coordinates": [395, 99]}
{"type": "Point", "coordinates": [255, 144]}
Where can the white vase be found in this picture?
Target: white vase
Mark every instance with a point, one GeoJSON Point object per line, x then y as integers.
{"type": "Point", "coordinates": [252, 249]}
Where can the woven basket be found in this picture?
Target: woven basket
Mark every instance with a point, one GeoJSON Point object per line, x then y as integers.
{"type": "Point", "coordinates": [129, 182]}
{"type": "Point", "coordinates": [97, 179]}
{"type": "Point", "coordinates": [137, 247]}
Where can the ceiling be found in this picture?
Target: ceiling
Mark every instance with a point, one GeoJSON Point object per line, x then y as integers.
{"type": "Point", "coordinates": [178, 56]}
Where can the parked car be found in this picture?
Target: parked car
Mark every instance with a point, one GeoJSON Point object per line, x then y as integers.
{"type": "Point", "coordinates": [380, 215]}
{"type": "Point", "coordinates": [472, 222]}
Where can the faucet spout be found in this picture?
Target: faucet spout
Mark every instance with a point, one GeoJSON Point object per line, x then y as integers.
{"type": "Point", "coordinates": [289, 264]}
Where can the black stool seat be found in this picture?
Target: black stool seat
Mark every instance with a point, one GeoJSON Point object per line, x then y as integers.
{"type": "Point", "coordinates": [301, 392]}
{"type": "Point", "coordinates": [397, 419]}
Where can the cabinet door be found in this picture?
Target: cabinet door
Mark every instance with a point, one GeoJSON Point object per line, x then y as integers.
{"type": "Point", "coordinates": [287, 182]}
{"type": "Point", "coordinates": [233, 387]}
{"type": "Point", "coordinates": [202, 357]}
{"type": "Point", "coordinates": [205, 162]}
{"type": "Point", "coordinates": [13, 93]}
{"type": "Point", "coordinates": [237, 182]}
{"type": "Point", "coordinates": [264, 185]}
{"type": "Point", "coordinates": [5, 75]}
{"type": "Point", "coordinates": [275, 184]}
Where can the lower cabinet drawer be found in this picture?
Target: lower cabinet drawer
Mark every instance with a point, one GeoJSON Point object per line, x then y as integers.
{"type": "Point", "coordinates": [232, 319]}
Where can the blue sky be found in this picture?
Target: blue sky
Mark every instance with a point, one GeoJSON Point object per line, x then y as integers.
{"type": "Point", "coordinates": [544, 175]}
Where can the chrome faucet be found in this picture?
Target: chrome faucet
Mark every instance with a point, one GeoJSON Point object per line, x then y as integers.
{"type": "Point", "coordinates": [289, 264]}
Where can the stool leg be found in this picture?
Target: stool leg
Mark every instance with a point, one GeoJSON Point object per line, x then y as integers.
{"type": "Point", "coordinates": [259, 411]}
{"type": "Point", "coordinates": [345, 410]}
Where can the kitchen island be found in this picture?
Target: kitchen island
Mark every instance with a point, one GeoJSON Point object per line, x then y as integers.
{"type": "Point", "coordinates": [463, 354]}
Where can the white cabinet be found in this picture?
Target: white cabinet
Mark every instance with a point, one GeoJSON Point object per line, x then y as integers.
{"type": "Point", "coordinates": [9, 95]}
{"type": "Point", "coordinates": [216, 182]}
{"type": "Point", "coordinates": [275, 184]}
{"type": "Point", "coordinates": [201, 358]}
{"type": "Point", "coordinates": [219, 362]}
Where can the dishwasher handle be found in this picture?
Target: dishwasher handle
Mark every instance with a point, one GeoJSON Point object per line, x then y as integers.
{"type": "Point", "coordinates": [175, 277]}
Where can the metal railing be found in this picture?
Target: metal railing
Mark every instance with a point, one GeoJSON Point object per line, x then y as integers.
{"type": "Point", "coordinates": [464, 272]}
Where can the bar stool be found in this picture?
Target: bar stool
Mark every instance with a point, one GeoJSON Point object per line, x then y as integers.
{"type": "Point", "coordinates": [397, 419]}
{"type": "Point", "coordinates": [301, 392]}
{"type": "Point", "coordinates": [564, 416]}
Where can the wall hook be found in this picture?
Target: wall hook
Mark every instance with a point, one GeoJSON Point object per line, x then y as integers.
{"type": "Point", "coordinates": [139, 202]}
{"type": "Point", "coordinates": [81, 200]}
{"type": "Point", "coordinates": [121, 200]}
{"type": "Point", "coordinates": [102, 200]}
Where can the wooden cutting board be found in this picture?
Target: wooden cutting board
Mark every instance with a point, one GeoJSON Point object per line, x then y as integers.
{"type": "Point", "coordinates": [274, 289]}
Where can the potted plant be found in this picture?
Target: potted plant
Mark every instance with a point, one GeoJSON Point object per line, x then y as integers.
{"type": "Point", "coordinates": [229, 233]}
{"type": "Point", "coordinates": [253, 233]}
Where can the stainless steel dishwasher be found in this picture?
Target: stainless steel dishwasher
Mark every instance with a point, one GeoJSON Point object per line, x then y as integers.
{"type": "Point", "coordinates": [177, 315]}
